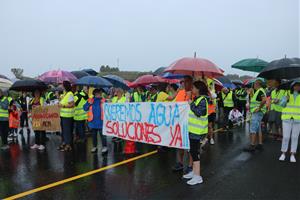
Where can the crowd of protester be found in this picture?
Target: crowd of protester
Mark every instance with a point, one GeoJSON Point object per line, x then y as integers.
{"type": "Point", "coordinates": [272, 112]}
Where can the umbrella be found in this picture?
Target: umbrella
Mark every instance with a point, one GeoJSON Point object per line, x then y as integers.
{"type": "Point", "coordinates": [94, 81]}
{"type": "Point", "coordinates": [28, 85]}
{"type": "Point", "coordinates": [90, 72]}
{"type": "Point", "coordinates": [251, 64]}
{"type": "Point", "coordinates": [117, 81]}
{"type": "Point", "coordinates": [159, 71]}
{"type": "Point", "coordinates": [57, 76]}
{"type": "Point", "coordinates": [147, 80]}
{"type": "Point", "coordinates": [128, 83]}
{"type": "Point", "coordinates": [80, 74]}
{"type": "Point", "coordinates": [169, 75]}
{"type": "Point", "coordinates": [286, 68]}
{"type": "Point", "coordinates": [237, 82]}
{"type": "Point", "coordinates": [4, 77]}
{"type": "Point", "coordinates": [5, 83]}
{"type": "Point", "coordinates": [226, 82]}
{"type": "Point", "coordinates": [195, 66]}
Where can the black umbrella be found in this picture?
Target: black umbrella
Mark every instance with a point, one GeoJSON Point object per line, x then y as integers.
{"type": "Point", "coordinates": [28, 85]}
{"type": "Point", "coordinates": [286, 68]}
{"type": "Point", "coordinates": [90, 72]}
{"type": "Point", "coordinates": [80, 74]}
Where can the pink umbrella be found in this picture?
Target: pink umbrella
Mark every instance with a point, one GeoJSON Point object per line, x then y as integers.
{"type": "Point", "coordinates": [148, 79]}
{"type": "Point", "coordinates": [195, 66]}
{"type": "Point", "coordinates": [57, 76]}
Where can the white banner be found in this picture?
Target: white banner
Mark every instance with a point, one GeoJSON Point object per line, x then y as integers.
{"type": "Point", "coordinates": [164, 124]}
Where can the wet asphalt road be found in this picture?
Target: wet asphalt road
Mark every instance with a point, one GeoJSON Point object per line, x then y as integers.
{"type": "Point", "coordinates": [228, 172]}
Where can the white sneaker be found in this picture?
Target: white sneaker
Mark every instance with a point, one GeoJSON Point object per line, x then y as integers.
{"type": "Point", "coordinates": [5, 147]}
{"type": "Point", "coordinates": [188, 175]}
{"type": "Point", "coordinates": [41, 148]}
{"type": "Point", "coordinates": [292, 158]}
{"type": "Point", "coordinates": [212, 141]}
{"type": "Point", "coordinates": [104, 150]}
{"type": "Point", "coordinates": [195, 180]}
{"type": "Point", "coordinates": [94, 150]}
{"type": "Point", "coordinates": [35, 146]}
{"type": "Point", "coordinates": [282, 157]}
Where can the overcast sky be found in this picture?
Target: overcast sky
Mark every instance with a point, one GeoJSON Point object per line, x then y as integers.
{"type": "Point", "coordinates": [39, 35]}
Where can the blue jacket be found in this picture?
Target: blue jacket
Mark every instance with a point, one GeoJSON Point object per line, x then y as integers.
{"type": "Point", "coordinates": [96, 123]}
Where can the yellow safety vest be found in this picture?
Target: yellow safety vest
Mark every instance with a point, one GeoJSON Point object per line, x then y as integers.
{"type": "Point", "coordinates": [255, 104]}
{"type": "Point", "coordinates": [121, 100]}
{"type": "Point", "coordinates": [228, 101]}
{"type": "Point", "coordinates": [198, 125]}
{"type": "Point", "coordinates": [3, 112]}
{"type": "Point", "coordinates": [66, 112]}
{"type": "Point", "coordinates": [277, 95]}
{"type": "Point", "coordinates": [42, 101]}
{"type": "Point", "coordinates": [79, 113]}
{"type": "Point", "coordinates": [292, 109]}
{"type": "Point", "coordinates": [137, 97]}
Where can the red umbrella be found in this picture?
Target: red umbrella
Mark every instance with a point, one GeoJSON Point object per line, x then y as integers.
{"type": "Point", "coordinates": [57, 76]}
{"type": "Point", "coordinates": [195, 66]}
{"type": "Point", "coordinates": [148, 79]}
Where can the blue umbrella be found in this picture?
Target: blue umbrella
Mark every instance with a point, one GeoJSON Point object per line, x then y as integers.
{"type": "Point", "coordinates": [226, 82]}
{"type": "Point", "coordinates": [94, 81]}
{"type": "Point", "coordinates": [117, 81]}
{"type": "Point", "coordinates": [169, 75]}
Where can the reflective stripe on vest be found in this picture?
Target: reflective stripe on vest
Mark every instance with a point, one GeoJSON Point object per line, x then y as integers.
{"type": "Point", "coordinates": [227, 99]}
{"type": "Point", "coordinates": [277, 96]}
{"type": "Point", "coordinates": [255, 104]}
{"type": "Point", "coordinates": [66, 112]}
{"type": "Point", "coordinates": [292, 109]}
{"type": "Point", "coordinates": [3, 112]}
{"type": "Point", "coordinates": [240, 93]}
{"type": "Point", "coordinates": [198, 125]}
{"type": "Point", "coordinates": [90, 112]}
{"type": "Point", "coordinates": [79, 113]}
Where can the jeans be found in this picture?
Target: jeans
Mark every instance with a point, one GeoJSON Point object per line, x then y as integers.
{"type": "Point", "coordinates": [80, 129]}
{"type": "Point", "coordinates": [67, 130]}
{"type": "Point", "coordinates": [291, 131]}
{"type": "Point", "coordinates": [255, 122]}
{"type": "Point", "coordinates": [95, 137]}
{"type": "Point", "coordinates": [4, 128]}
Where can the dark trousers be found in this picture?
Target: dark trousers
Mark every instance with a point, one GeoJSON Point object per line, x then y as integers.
{"type": "Point", "coordinates": [242, 107]}
{"type": "Point", "coordinates": [80, 129]}
{"type": "Point", "coordinates": [95, 139]}
{"type": "Point", "coordinates": [4, 128]}
{"type": "Point", "coordinates": [24, 120]}
{"type": "Point", "coordinates": [226, 121]}
{"type": "Point", "coordinates": [67, 130]}
{"type": "Point", "coordinates": [40, 137]}
{"type": "Point", "coordinates": [195, 149]}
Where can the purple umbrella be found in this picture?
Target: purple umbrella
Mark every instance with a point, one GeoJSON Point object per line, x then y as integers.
{"type": "Point", "coordinates": [57, 76]}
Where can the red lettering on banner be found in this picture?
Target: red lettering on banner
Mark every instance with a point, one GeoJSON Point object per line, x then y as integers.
{"type": "Point", "coordinates": [143, 132]}
{"type": "Point", "coordinates": [109, 128]}
{"type": "Point", "coordinates": [176, 136]}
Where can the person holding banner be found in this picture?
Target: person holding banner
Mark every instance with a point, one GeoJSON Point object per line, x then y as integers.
{"type": "Point", "coordinates": [183, 95]}
{"type": "Point", "coordinates": [94, 107]}
{"type": "Point", "coordinates": [40, 136]}
{"type": "Point", "coordinates": [66, 115]}
{"type": "Point", "coordinates": [198, 128]}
